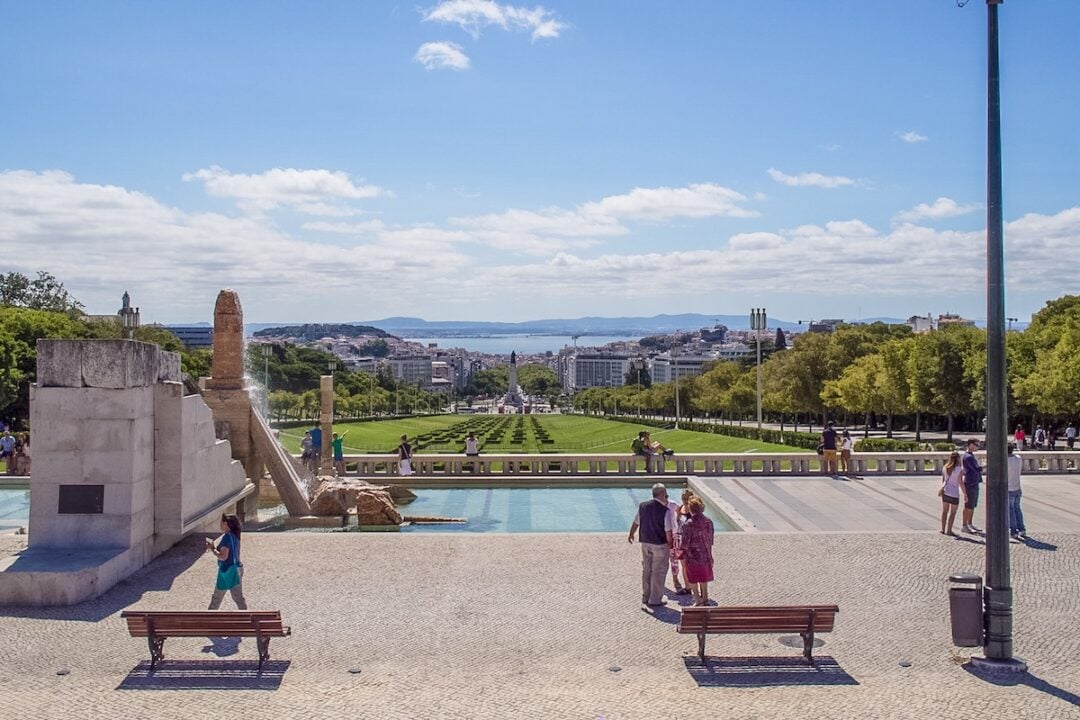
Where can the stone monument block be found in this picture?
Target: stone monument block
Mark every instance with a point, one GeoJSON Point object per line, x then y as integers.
{"type": "Point", "coordinates": [227, 369]}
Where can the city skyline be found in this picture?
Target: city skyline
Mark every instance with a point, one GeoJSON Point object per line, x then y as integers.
{"type": "Point", "coordinates": [470, 159]}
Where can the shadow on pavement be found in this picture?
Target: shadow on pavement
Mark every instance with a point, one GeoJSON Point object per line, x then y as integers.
{"type": "Point", "coordinates": [1039, 544]}
{"type": "Point", "coordinates": [206, 675]}
{"type": "Point", "coordinates": [663, 613]}
{"type": "Point", "coordinates": [766, 671]}
{"type": "Point", "coordinates": [157, 576]}
{"type": "Point", "coordinates": [1025, 678]}
{"type": "Point", "coordinates": [222, 646]}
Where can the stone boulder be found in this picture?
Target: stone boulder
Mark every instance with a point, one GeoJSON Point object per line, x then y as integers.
{"type": "Point", "coordinates": [339, 496]}
{"type": "Point", "coordinates": [375, 507]}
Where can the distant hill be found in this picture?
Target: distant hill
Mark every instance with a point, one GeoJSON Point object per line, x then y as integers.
{"type": "Point", "coordinates": [309, 332]}
{"type": "Point", "coordinates": [416, 327]}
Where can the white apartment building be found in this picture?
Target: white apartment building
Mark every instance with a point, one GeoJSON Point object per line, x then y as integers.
{"type": "Point", "coordinates": [594, 369]}
{"type": "Point", "coordinates": [411, 369]}
{"type": "Point", "coordinates": [665, 368]}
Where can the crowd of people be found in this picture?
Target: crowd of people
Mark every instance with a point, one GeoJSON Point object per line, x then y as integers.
{"type": "Point", "coordinates": [15, 452]}
{"type": "Point", "coordinates": [1045, 438]}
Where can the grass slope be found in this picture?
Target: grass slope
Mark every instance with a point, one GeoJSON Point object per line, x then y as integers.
{"type": "Point", "coordinates": [524, 433]}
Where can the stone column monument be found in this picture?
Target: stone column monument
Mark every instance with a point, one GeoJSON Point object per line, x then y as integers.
{"type": "Point", "coordinates": [224, 390]}
{"type": "Point", "coordinates": [326, 422]}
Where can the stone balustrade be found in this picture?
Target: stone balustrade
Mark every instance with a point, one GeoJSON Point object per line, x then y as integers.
{"type": "Point", "coordinates": [703, 464]}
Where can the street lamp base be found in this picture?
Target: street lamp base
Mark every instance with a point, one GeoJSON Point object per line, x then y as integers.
{"type": "Point", "coordinates": [998, 667]}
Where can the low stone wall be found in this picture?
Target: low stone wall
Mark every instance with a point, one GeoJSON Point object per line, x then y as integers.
{"type": "Point", "coordinates": [704, 464]}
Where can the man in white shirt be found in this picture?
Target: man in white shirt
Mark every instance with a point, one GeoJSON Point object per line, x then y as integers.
{"type": "Point", "coordinates": [1070, 435]}
{"type": "Point", "coordinates": [1016, 516]}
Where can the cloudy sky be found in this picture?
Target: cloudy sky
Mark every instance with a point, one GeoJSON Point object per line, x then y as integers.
{"type": "Point", "coordinates": [469, 159]}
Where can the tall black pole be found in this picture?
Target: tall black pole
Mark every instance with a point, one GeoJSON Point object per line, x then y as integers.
{"type": "Point", "coordinates": [998, 644]}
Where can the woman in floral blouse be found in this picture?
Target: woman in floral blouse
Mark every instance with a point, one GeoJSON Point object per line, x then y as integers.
{"type": "Point", "coordinates": [697, 542]}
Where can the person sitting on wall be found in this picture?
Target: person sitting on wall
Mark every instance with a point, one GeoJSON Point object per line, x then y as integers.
{"type": "Point", "coordinates": [642, 448]}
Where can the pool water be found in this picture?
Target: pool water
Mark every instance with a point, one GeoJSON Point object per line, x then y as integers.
{"type": "Point", "coordinates": [539, 510]}
{"type": "Point", "coordinates": [14, 507]}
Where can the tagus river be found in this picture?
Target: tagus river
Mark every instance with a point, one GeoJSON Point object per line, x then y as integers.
{"type": "Point", "coordinates": [524, 344]}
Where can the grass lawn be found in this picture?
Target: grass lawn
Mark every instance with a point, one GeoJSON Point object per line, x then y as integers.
{"type": "Point", "coordinates": [524, 434]}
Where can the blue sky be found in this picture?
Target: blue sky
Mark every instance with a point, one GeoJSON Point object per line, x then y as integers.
{"type": "Point", "coordinates": [470, 159]}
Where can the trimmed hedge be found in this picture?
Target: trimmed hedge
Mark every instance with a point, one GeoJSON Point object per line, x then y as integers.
{"type": "Point", "coordinates": [790, 438]}
{"type": "Point", "coordinates": [890, 445]}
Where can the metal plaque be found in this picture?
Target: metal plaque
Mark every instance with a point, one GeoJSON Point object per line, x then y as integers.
{"type": "Point", "coordinates": [82, 499]}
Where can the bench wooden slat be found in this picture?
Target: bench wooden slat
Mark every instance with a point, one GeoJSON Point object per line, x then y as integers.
{"type": "Point", "coordinates": [156, 626]}
{"type": "Point", "coordinates": [803, 619]}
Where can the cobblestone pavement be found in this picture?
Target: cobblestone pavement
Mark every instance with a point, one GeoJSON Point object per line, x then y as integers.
{"type": "Point", "coordinates": [548, 626]}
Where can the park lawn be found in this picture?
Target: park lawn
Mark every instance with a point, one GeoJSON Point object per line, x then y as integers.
{"type": "Point", "coordinates": [571, 434]}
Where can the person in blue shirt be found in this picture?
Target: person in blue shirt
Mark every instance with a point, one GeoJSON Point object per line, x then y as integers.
{"type": "Point", "coordinates": [973, 473]}
{"type": "Point", "coordinates": [230, 571]}
{"type": "Point", "coordinates": [316, 448]}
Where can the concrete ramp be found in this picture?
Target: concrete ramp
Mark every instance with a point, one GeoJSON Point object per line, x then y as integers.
{"type": "Point", "coordinates": [285, 470]}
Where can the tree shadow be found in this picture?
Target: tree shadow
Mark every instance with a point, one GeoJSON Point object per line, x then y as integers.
{"type": "Point", "coordinates": [766, 671]}
{"type": "Point", "coordinates": [157, 576]}
{"type": "Point", "coordinates": [1024, 678]}
{"type": "Point", "coordinates": [206, 675]}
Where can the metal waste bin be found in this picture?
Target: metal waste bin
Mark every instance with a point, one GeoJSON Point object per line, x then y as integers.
{"type": "Point", "coordinates": [966, 609]}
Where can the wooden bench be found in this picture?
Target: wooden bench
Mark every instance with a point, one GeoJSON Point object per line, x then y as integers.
{"type": "Point", "coordinates": [155, 626]}
{"type": "Point", "coordinates": [806, 620]}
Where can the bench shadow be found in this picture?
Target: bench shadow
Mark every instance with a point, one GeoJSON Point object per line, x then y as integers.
{"type": "Point", "coordinates": [206, 675]}
{"type": "Point", "coordinates": [1025, 678]}
{"type": "Point", "coordinates": [766, 671]}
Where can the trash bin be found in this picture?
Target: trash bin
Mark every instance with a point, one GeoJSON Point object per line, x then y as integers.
{"type": "Point", "coordinates": [966, 609]}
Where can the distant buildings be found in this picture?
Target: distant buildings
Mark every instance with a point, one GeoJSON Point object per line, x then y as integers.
{"type": "Point", "coordinates": [580, 370]}
{"type": "Point", "coordinates": [194, 337]}
{"type": "Point", "coordinates": [666, 368]}
{"type": "Point", "coordinates": [922, 324]}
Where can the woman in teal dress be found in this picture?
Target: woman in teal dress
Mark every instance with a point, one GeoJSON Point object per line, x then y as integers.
{"type": "Point", "coordinates": [230, 572]}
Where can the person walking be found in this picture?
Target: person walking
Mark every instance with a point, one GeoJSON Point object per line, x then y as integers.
{"type": "Point", "coordinates": [1040, 437]}
{"type": "Point", "coordinates": [846, 446]}
{"type": "Point", "coordinates": [972, 479]}
{"type": "Point", "coordinates": [404, 453]}
{"type": "Point", "coordinates": [337, 445]}
{"type": "Point", "coordinates": [1020, 437]}
{"type": "Point", "coordinates": [951, 479]}
{"type": "Point", "coordinates": [1070, 436]}
{"type": "Point", "coordinates": [697, 542]}
{"type": "Point", "coordinates": [230, 571]}
{"type": "Point", "coordinates": [675, 555]}
{"type": "Point", "coordinates": [305, 450]}
{"type": "Point", "coordinates": [655, 525]}
{"type": "Point", "coordinates": [1017, 531]}
{"type": "Point", "coordinates": [7, 451]}
{"type": "Point", "coordinates": [828, 445]}
{"type": "Point", "coordinates": [1051, 437]}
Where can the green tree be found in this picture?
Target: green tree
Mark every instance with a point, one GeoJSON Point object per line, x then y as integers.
{"type": "Point", "coordinates": [44, 292]}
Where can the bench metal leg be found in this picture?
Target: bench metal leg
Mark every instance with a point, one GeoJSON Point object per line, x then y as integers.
{"type": "Point", "coordinates": [156, 650]}
{"type": "Point", "coordinates": [264, 650]}
{"type": "Point", "coordinates": [701, 646]}
{"type": "Point", "coordinates": [808, 645]}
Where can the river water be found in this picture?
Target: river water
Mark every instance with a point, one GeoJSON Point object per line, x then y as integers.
{"type": "Point", "coordinates": [524, 344]}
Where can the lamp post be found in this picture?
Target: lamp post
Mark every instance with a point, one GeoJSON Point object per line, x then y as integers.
{"type": "Point", "coordinates": [758, 322]}
{"type": "Point", "coordinates": [998, 606]}
{"type": "Point", "coordinates": [675, 372]}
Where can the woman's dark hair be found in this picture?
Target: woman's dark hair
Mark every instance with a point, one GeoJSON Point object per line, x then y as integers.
{"type": "Point", "coordinates": [233, 522]}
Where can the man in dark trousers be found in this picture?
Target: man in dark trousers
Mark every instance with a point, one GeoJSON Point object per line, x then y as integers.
{"type": "Point", "coordinates": [828, 445]}
{"type": "Point", "coordinates": [972, 479]}
{"type": "Point", "coordinates": [657, 524]}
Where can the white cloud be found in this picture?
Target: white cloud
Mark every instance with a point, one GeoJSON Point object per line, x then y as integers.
{"type": "Point", "coordinates": [941, 208]}
{"type": "Point", "coordinates": [911, 137]}
{"type": "Point", "coordinates": [810, 179]}
{"type": "Point", "coordinates": [103, 239]}
{"type": "Point", "coordinates": [314, 192]}
{"type": "Point", "coordinates": [442, 56]}
{"type": "Point", "coordinates": [555, 229]}
{"type": "Point", "coordinates": [475, 15]}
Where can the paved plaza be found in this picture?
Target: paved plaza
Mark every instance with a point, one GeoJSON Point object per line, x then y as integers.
{"type": "Point", "coordinates": [548, 626]}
